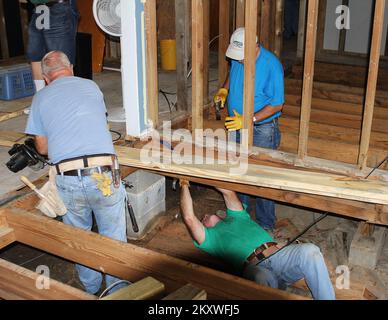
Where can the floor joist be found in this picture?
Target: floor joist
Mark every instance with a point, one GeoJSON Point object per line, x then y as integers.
{"type": "Point", "coordinates": [128, 261]}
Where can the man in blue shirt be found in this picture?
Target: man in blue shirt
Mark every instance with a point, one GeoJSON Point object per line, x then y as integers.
{"type": "Point", "coordinates": [68, 120]}
{"type": "Point", "coordinates": [268, 105]}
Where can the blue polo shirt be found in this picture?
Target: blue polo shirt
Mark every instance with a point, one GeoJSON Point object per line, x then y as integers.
{"type": "Point", "coordinates": [269, 84]}
{"type": "Point", "coordinates": [71, 113]}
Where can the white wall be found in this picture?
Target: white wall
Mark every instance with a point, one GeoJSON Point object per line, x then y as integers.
{"type": "Point", "coordinates": [358, 37]}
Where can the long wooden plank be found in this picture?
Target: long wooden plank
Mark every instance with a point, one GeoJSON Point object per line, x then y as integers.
{"type": "Point", "coordinates": [334, 133]}
{"type": "Point", "coordinates": [332, 150]}
{"type": "Point", "coordinates": [223, 26]}
{"type": "Point", "coordinates": [336, 92]}
{"type": "Point", "coordinates": [206, 39]}
{"type": "Point", "coordinates": [197, 63]}
{"type": "Point", "coordinates": [264, 176]}
{"type": "Point", "coordinates": [181, 35]}
{"type": "Point", "coordinates": [188, 292]}
{"type": "Point", "coordinates": [372, 82]}
{"type": "Point", "coordinates": [308, 78]}
{"type": "Point", "coordinates": [7, 236]}
{"type": "Point", "coordinates": [249, 70]}
{"type": "Point", "coordinates": [20, 283]}
{"type": "Point", "coordinates": [240, 13]}
{"type": "Point", "coordinates": [147, 288]}
{"type": "Point", "coordinates": [130, 262]}
{"type": "Point", "coordinates": [11, 115]}
{"type": "Point", "coordinates": [152, 62]}
{"type": "Point", "coordinates": [336, 118]}
{"type": "Point", "coordinates": [344, 75]}
{"type": "Point", "coordinates": [337, 106]}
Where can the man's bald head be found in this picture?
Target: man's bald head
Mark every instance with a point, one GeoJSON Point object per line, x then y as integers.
{"type": "Point", "coordinates": [56, 64]}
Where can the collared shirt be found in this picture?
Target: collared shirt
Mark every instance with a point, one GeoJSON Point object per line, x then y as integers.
{"type": "Point", "coordinates": [71, 113]}
{"type": "Point", "coordinates": [269, 84]}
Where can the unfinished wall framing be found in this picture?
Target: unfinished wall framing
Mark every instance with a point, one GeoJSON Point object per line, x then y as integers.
{"type": "Point", "coordinates": [266, 16]}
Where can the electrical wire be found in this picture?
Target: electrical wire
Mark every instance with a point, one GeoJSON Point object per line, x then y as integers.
{"type": "Point", "coordinates": [324, 215]}
{"type": "Point", "coordinates": [112, 286]}
{"type": "Point", "coordinates": [117, 133]}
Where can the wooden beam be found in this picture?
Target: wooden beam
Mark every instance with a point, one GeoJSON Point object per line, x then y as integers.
{"type": "Point", "coordinates": [337, 106]}
{"type": "Point", "coordinates": [335, 92]}
{"type": "Point", "coordinates": [372, 82]}
{"type": "Point", "coordinates": [279, 27]}
{"type": "Point", "coordinates": [188, 292]}
{"type": "Point", "coordinates": [152, 62]}
{"type": "Point", "coordinates": [311, 37]}
{"type": "Point", "coordinates": [197, 63]}
{"type": "Point", "coordinates": [206, 39]}
{"type": "Point", "coordinates": [20, 283]}
{"type": "Point", "coordinates": [250, 55]}
{"type": "Point", "coordinates": [182, 11]}
{"type": "Point", "coordinates": [128, 261]}
{"type": "Point", "coordinates": [240, 13]}
{"type": "Point", "coordinates": [7, 236]}
{"type": "Point", "coordinates": [263, 176]}
{"type": "Point", "coordinates": [301, 28]}
{"type": "Point", "coordinates": [224, 18]}
{"type": "Point", "coordinates": [145, 289]}
{"type": "Point", "coordinates": [265, 29]}
{"type": "Point", "coordinates": [375, 214]}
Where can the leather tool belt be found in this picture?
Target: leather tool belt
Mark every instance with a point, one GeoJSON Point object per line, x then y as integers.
{"type": "Point", "coordinates": [85, 162]}
{"type": "Point", "coordinates": [259, 254]}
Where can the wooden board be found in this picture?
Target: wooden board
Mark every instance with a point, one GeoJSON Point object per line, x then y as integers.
{"type": "Point", "coordinates": [7, 236]}
{"type": "Point", "coordinates": [130, 262]}
{"type": "Point", "coordinates": [9, 138]}
{"type": "Point", "coordinates": [20, 283]}
{"type": "Point", "coordinates": [264, 176]}
{"type": "Point", "coordinates": [188, 292]}
{"type": "Point", "coordinates": [147, 288]}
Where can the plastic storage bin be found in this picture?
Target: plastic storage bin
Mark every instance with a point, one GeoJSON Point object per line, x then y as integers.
{"type": "Point", "coordinates": [148, 200]}
{"type": "Point", "coordinates": [16, 82]}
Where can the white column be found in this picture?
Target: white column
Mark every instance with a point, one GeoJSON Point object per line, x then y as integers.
{"type": "Point", "coordinates": [133, 66]}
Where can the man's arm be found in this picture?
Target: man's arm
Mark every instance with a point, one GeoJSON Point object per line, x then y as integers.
{"type": "Point", "coordinates": [195, 227]}
{"type": "Point", "coordinates": [232, 201]}
{"type": "Point", "coordinates": [41, 145]}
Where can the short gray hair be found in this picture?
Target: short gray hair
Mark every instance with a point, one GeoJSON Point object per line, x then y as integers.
{"type": "Point", "coordinates": [54, 61]}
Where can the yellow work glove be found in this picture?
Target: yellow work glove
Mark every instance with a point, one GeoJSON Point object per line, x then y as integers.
{"type": "Point", "coordinates": [221, 95]}
{"type": "Point", "coordinates": [234, 123]}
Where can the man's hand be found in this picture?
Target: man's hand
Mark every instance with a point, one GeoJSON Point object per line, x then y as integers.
{"type": "Point", "coordinates": [221, 96]}
{"type": "Point", "coordinates": [234, 123]}
{"type": "Point", "coordinates": [184, 183]}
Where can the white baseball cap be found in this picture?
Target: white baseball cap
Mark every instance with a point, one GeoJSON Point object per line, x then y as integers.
{"type": "Point", "coordinates": [236, 47]}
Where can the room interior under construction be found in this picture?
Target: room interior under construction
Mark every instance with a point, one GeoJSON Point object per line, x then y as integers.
{"type": "Point", "coordinates": [332, 160]}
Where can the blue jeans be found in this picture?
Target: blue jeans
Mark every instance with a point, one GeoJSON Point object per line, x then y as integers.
{"type": "Point", "coordinates": [268, 136]}
{"type": "Point", "coordinates": [292, 264]}
{"type": "Point", "coordinates": [60, 36]}
{"type": "Point", "coordinates": [82, 197]}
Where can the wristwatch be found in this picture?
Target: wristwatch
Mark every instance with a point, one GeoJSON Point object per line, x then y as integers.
{"type": "Point", "coordinates": [254, 119]}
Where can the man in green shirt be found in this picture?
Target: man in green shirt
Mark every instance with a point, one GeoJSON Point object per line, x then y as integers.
{"type": "Point", "coordinates": [241, 242]}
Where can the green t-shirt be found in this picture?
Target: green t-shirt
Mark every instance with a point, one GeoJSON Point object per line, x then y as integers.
{"type": "Point", "coordinates": [234, 238]}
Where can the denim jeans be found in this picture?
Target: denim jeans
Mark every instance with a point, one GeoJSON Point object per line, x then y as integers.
{"type": "Point", "coordinates": [292, 264]}
{"type": "Point", "coordinates": [268, 136]}
{"type": "Point", "coordinates": [82, 197]}
{"type": "Point", "coordinates": [60, 36]}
